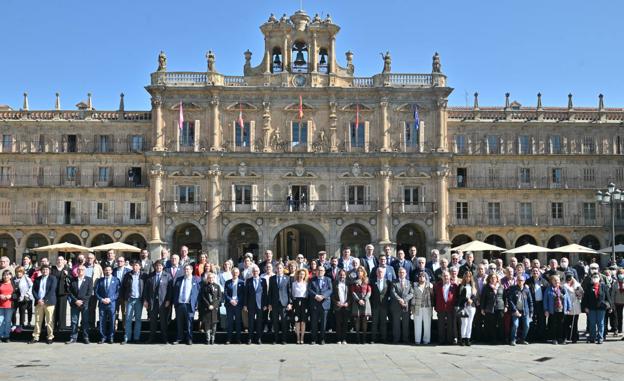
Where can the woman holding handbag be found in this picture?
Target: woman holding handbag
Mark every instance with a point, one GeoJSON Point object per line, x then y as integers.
{"type": "Point", "coordinates": [466, 303]}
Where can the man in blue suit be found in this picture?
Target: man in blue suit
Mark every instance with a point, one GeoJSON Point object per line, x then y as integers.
{"type": "Point", "coordinates": [234, 300]}
{"type": "Point", "coordinates": [185, 292]}
{"type": "Point", "coordinates": [402, 262]}
{"type": "Point", "coordinates": [320, 300]}
{"type": "Point", "coordinates": [256, 302]}
{"type": "Point", "coordinates": [387, 270]}
{"type": "Point", "coordinates": [107, 293]}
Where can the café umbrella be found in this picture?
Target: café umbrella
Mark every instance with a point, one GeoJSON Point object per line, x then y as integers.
{"type": "Point", "coordinates": [117, 246]}
{"type": "Point", "coordinates": [528, 249]}
{"type": "Point", "coordinates": [64, 247]}
{"type": "Point", "coordinates": [477, 245]}
{"type": "Point", "coordinates": [574, 248]}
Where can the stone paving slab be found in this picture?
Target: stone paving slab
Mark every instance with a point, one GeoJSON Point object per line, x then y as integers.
{"type": "Point", "coordinates": [306, 362]}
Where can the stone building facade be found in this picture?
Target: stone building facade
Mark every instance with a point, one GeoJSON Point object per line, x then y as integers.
{"type": "Point", "coordinates": [300, 155]}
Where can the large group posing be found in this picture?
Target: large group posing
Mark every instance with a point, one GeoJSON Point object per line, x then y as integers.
{"type": "Point", "coordinates": [279, 299]}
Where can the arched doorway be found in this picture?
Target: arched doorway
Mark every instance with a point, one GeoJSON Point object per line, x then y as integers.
{"type": "Point", "coordinates": [70, 238]}
{"type": "Point", "coordinates": [243, 238]}
{"type": "Point", "coordinates": [593, 243]}
{"type": "Point", "coordinates": [298, 239]}
{"type": "Point", "coordinates": [135, 240]}
{"type": "Point", "coordinates": [412, 235]}
{"type": "Point", "coordinates": [33, 241]}
{"type": "Point", "coordinates": [526, 239]}
{"type": "Point", "coordinates": [495, 240]}
{"type": "Point", "coordinates": [7, 247]}
{"type": "Point", "coordinates": [555, 242]}
{"type": "Point", "coordinates": [460, 240]}
{"type": "Point", "coordinates": [187, 235]}
{"type": "Point", "coordinates": [101, 239]}
{"type": "Point", "coordinates": [356, 237]}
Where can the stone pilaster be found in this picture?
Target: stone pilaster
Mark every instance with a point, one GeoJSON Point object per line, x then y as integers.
{"type": "Point", "coordinates": [155, 244]}
{"type": "Point", "coordinates": [440, 176]}
{"type": "Point", "coordinates": [385, 127]}
{"type": "Point", "coordinates": [157, 122]}
{"type": "Point", "coordinates": [216, 127]}
{"type": "Point", "coordinates": [385, 212]}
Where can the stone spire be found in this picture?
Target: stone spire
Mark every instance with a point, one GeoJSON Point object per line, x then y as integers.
{"type": "Point", "coordinates": [539, 101]}
{"type": "Point", "coordinates": [476, 101]}
{"type": "Point", "coordinates": [570, 105]}
{"type": "Point", "coordinates": [57, 103]}
{"type": "Point", "coordinates": [121, 102]}
{"type": "Point", "coordinates": [89, 102]}
{"type": "Point", "coordinates": [25, 105]}
{"type": "Point", "coordinates": [506, 101]}
{"type": "Point", "coordinates": [600, 102]}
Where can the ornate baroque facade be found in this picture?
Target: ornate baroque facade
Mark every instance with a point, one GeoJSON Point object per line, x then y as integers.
{"type": "Point", "coordinates": [299, 155]}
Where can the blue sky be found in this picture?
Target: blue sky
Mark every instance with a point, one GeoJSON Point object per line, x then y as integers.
{"type": "Point", "coordinates": [108, 47]}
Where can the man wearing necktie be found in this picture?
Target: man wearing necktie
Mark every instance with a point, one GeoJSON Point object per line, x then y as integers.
{"type": "Point", "coordinates": [280, 302]}
{"type": "Point", "coordinates": [107, 293]}
{"type": "Point", "coordinates": [379, 306]}
{"type": "Point", "coordinates": [320, 302]}
{"type": "Point", "coordinates": [401, 295]}
{"type": "Point", "coordinates": [256, 303]}
{"type": "Point", "coordinates": [234, 300]}
{"type": "Point", "coordinates": [80, 291]}
{"type": "Point", "coordinates": [185, 293]}
{"type": "Point", "coordinates": [156, 300]}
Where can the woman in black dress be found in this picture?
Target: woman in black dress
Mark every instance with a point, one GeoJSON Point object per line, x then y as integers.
{"type": "Point", "coordinates": [210, 296]}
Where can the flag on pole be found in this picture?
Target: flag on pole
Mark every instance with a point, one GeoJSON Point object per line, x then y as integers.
{"type": "Point", "coordinates": [181, 118]}
{"type": "Point", "coordinates": [300, 109]}
{"type": "Point", "coordinates": [240, 120]}
{"type": "Point", "coordinates": [416, 118]}
{"type": "Point", "coordinates": [357, 116]}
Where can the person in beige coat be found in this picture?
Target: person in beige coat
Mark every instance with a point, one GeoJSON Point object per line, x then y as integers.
{"type": "Point", "coordinates": [422, 309]}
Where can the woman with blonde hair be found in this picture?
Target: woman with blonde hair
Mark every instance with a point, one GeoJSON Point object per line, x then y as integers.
{"type": "Point", "coordinates": [466, 303]}
{"type": "Point", "coordinates": [361, 308]}
{"type": "Point", "coordinates": [300, 303]}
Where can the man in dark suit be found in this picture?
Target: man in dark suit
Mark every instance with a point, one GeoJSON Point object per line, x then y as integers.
{"type": "Point", "coordinates": [320, 300]}
{"type": "Point", "coordinates": [107, 293]}
{"type": "Point", "coordinates": [132, 287]}
{"type": "Point", "coordinates": [420, 266]}
{"type": "Point", "coordinates": [174, 269]}
{"type": "Point", "coordinates": [256, 302]}
{"type": "Point", "coordinates": [147, 266]}
{"type": "Point", "coordinates": [469, 265]}
{"type": "Point", "coordinates": [345, 260]}
{"type": "Point", "coordinates": [434, 261]}
{"type": "Point", "coordinates": [234, 300]}
{"type": "Point", "coordinates": [333, 269]}
{"type": "Point", "coordinates": [110, 259]}
{"type": "Point", "coordinates": [402, 262]}
{"type": "Point", "coordinates": [380, 297]}
{"type": "Point", "coordinates": [268, 258]}
{"type": "Point", "coordinates": [401, 295]}
{"type": "Point", "coordinates": [156, 300]}
{"type": "Point", "coordinates": [280, 302]}
{"type": "Point", "coordinates": [119, 272]}
{"type": "Point", "coordinates": [369, 261]}
{"type": "Point", "coordinates": [80, 291]}
{"type": "Point", "coordinates": [44, 293]}
{"type": "Point", "coordinates": [322, 260]}
{"type": "Point", "coordinates": [443, 268]}
{"type": "Point", "coordinates": [185, 293]}
{"type": "Point", "coordinates": [388, 271]}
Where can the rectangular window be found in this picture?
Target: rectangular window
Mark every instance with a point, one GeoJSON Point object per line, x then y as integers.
{"type": "Point", "coordinates": [242, 194]}
{"type": "Point", "coordinates": [103, 143]}
{"type": "Point", "coordinates": [7, 143]}
{"type": "Point", "coordinates": [589, 175]}
{"type": "Point", "coordinates": [460, 144]}
{"type": "Point", "coordinates": [102, 211]}
{"type": "Point", "coordinates": [619, 174]}
{"type": "Point", "coordinates": [135, 178]}
{"type": "Point", "coordinates": [186, 194]}
{"type": "Point", "coordinates": [589, 211]}
{"type": "Point", "coordinates": [71, 173]}
{"type": "Point", "coordinates": [103, 174]}
{"type": "Point", "coordinates": [493, 177]}
{"type": "Point", "coordinates": [356, 195]}
{"type": "Point", "coordinates": [555, 144]}
{"type": "Point", "coordinates": [462, 177]}
{"type": "Point", "coordinates": [494, 213]}
{"type": "Point", "coordinates": [72, 143]}
{"type": "Point", "coordinates": [410, 195]}
{"type": "Point", "coordinates": [299, 133]}
{"type": "Point", "coordinates": [187, 134]}
{"type": "Point", "coordinates": [525, 176]}
{"type": "Point", "coordinates": [461, 210]}
{"type": "Point", "coordinates": [493, 144]}
{"type": "Point", "coordinates": [5, 175]}
{"type": "Point", "coordinates": [136, 143]}
{"type": "Point", "coordinates": [411, 134]}
{"type": "Point", "coordinates": [619, 213]}
{"type": "Point", "coordinates": [135, 211]}
{"type": "Point", "coordinates": [526, 213]}
{"type": "Point", "coordinates": [524, 145]}
{"type": "Point", "coordinates": [556, 177]}
{"type": "Point", "coordinates": [589, 146]}
{"type": "Point", "coordinates": [243, 135]}
{"type": "Point", "coordinates": [5, 212]}
{"type": "Point", "coordinates": [357, 135]}
{"type": "Point", "coordinates": [556, 210]}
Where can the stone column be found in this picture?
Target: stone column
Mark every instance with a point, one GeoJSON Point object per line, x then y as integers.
{"type": "Point", "coordinates": [216, 127]}
{"type": "Point", "coordinates": [385, 128]}
{"type": "Point", "coordinates": [313, 56]}
{"type": "Point", "coordinates": [385, 213]}
{"type": "Point", "coordinates": [157, 124]}
{"type": "Point", "coordinates": [440, 176]}
{"type": "Point", "coordinates": [332, 60]}
{"type": "Point", "coordinates": [266, 126]}
{"type": "Point", "coordinates": [333, 122]}
{"type": "Point", "coordinates": [155, 243]}
{"type": "Point", "coordinates": [441, 126]}
{"type": "Point", "coordinates": [212, 225]}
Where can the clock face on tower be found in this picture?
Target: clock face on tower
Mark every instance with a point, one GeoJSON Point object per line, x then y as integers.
{"type": "Point", "coordinates": [299, 80]}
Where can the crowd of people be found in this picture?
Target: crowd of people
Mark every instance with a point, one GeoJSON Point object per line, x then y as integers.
{"type": "Point", "coordinates": [371, 299]}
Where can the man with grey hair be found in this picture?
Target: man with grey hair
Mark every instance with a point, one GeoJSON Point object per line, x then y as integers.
{"type": "Point", "coordinates": [369, 261]}
{"type": "Point", "coordinates": [468, 266]}
{"type": "Point", "coordinates": [434, 262]}
{"type": "Point", "coordinates": [420, 266]}
{"type": "Point", "coordinates": [94, 271]}
{"type": "Point", "coordinates": [5, 264]}
{"type": "Point", "coordinates": [256, 302]}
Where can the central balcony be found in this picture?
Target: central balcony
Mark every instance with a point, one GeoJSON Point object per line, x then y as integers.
{"type": "Point", "coordinates": [294, 206]}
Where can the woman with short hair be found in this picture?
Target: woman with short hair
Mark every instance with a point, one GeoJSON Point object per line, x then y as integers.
{"type": "Point", "coordinates": [556, 305]}
{"type": "Point", "coordinates": [300, 303]}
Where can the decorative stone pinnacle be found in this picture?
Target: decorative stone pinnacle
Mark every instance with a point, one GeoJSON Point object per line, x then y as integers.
{"type": "Point", "coordinates": [57, 103]}
{"type": "Point", "coordinates": [121, 102]}
{"type": "Point", "coordinates": [600, 102]}
{"type": "Point", "coordinates": [570, 106]}
{"type": "Point", "coordinates": [476, 101]}
{"type": "Point", "coordinates": [539, 101]}
{"type": "Point", "coordinates": [25, 105]}
{"type": "Point", "coordinates": [506, 101]}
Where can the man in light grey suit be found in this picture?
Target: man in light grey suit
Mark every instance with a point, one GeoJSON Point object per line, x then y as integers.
{"type": "Point", "coordinates": [401, 295]}
{"type": "Point", "coordinates": [280, 302]}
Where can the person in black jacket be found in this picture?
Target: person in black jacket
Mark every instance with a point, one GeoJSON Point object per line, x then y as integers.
{"type": "Point", "coordinates": [596, 302]}
{"type": "Point", "coordinates": [132, 285]}
{"type": "Point", "coordinates": [280, 302]}
{"type": "Point", "coordinates": [80, 291]}
{"type": "Point", "coordinates": [493, 308]}
{"type": "Point", "coordinates": [537, 286]}
{"type": "Point", "coordinates": [157, 300]}
{"type": "Point", "coordinates": [210, 297]}
{"type": "Point", "coordinates": [520, 305]}
{"type": "Point", "coordinates": [62, 273]}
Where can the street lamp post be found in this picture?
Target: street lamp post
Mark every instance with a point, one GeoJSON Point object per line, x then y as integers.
{"type": "Point", "coordinates": [611, 197]}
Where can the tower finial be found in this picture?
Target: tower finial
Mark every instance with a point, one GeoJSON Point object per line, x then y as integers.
{"type": "Point", "coordinates": [89, 102]}
{"type": "Point", "coordinates": [57, 103]}
{"type": "Point", "coordinates": [25, 105]}
{"type": "Point", "coordinates": [476, 101]}
{"type": "Point", "coordinates": [570, 106]}
{"type": "Point", "coordinates": [539, 101]}
{"type": "Point", "coordinates": [506, 101]}
{"type": "Point", "coordinates": [121, 102]}
{"type": "Point", "coordinates": [600, 102]}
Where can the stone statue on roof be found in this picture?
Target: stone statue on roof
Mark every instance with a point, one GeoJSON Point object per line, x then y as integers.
{"type": "Point", "coordinates": [210, 57]}
{"type": "Point", "coordinates": [436, 65]}
{"type": "Point", "coordinates": [387, 62]}
{"type": "Point", "coordinates": [162, 61]}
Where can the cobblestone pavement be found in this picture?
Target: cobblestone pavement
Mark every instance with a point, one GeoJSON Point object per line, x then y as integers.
{"type": "Point", "coordinates": [307, 362]}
